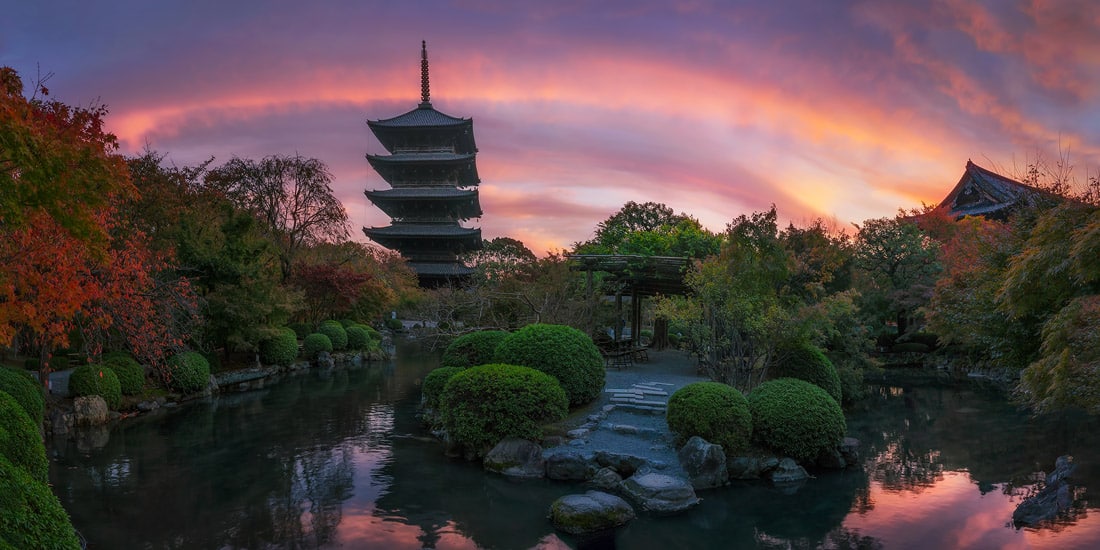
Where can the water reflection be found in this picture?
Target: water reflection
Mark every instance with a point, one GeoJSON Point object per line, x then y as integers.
{"type": "Point", "coordinates": [338, 459]}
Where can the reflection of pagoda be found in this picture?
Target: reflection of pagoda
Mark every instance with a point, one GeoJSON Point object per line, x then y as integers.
{"type": "Point", "coordinates": [434, 181]}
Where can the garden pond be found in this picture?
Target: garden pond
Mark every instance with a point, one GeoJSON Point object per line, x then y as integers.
{"type": "Point", "coordinates": [338, 459]}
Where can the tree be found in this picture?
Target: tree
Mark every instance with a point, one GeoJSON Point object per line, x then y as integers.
{"type": "Point", "coordinates": [898, 265]}
{"type": "Point", "coordinates": [651, 229]}
{"type": "Point", "coordinates": [291, 196]}
{"type": "Point", "coordinates": [502, 257]}
{"type": "Point", "coordinates": [350, 279]}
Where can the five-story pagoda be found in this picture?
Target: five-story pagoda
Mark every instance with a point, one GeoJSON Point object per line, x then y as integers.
{"type": "Point", "coordinates": [434, 180]}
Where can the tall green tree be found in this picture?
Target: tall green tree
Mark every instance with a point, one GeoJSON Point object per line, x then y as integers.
{"type": "Point", "coordinates": [898, 266]}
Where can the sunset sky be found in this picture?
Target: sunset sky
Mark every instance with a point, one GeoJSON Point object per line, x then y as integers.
{"type": "Point", "coordinates": [841, 109]}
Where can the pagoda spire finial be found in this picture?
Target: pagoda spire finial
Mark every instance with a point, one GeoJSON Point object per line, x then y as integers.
{"type": "Point", "coordinates": [425, 95]}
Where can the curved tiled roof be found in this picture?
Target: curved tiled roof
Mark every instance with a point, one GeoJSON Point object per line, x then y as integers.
{"type": "Point", "coordinates": [424, 115]}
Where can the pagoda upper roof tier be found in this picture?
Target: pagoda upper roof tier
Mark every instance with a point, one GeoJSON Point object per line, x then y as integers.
{"type": "Point", "coordinates": [424, 126]}
{"type": "Point", "coordinates": [428, 202]}
{"type": "Point", "coordinates": [402, 168]}
{"type": "Point", "coordinates": [403, 236]}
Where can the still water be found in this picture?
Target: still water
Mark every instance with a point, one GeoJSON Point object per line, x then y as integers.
{"type": "Point", "coordinates": [337, 460]}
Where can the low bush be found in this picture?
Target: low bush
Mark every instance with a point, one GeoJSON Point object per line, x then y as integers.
{"type": "Point", "coordinates": [315, 343]}
{"type": "Point", "coordinates": [433, 385]}
{"type": "Point", "coordinates": [482, 405]}
{"type": "Point", "coordinates": [19, 439]}
{"type": "Point", "coordinates": [281, 348]}
{"type": "Point", "coordinates": [795, 418]}
{"type": "Point", "coordinates": [394, 324]}
{"type": "Point", "coordinates": [59, 363]}
{"type": "Point", "coordinates": [32, 363]}
{"type": "Point", "coordinates": [96, 380]}
{"type": "Point", "coordinates": [853, 388]}
{"type": "Point", "coordinates": [909, 347]}
{"type": "Point", "coordinates": [473, 349]}
{"type": "Point", "coordinates": [713, 411]}
{"type": "Point", "coordinates": [336, 334]}
{"type": "Point", "coordinates": [131, 375]}
{"type": "Point", "coordinates": [348, 323]}
{"type": "Point", "coordinates": [301, 330]}
{"type": "Point", "coordinates": [807, 362]}
{"type": "Point", "coordinates": [30, 514]}
{"type": "Point", "coordinates": [359, 338]}
{"type": "Point", "coordinates": [560, 351]}
{"type": "Point", "coordinates": [190, 372]}
{"type": "Point", "coordinates": [25, 390]}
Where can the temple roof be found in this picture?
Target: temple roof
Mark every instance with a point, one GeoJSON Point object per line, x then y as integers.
{"type": "Point", "coordinates": [434, 230]}
{"type": "Point", "coordinates": [440, 269]}
{"type": "Point", "coordinates": [424, 115]}
{"type": "Point", "coordinates": [391, 167]}
{"type": "Point", "coordinates": [981, 192]}
{"type": "Point", "coordinates": [407, 201]}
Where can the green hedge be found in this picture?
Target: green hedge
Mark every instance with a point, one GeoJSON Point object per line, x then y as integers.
{"type": "Point", "coordinates": [560, 351]}
{"type": "Point", "coordinates": [433, 385]}
{"type": "Point", "coordinates": [26, 391]}
{"type": "Point", "coordinates": [482, 405]}
{"type": "Point", "coordinates": [301, 330]}
{"type": "Point", "coordinates": [853, 388]}
{"type": "Point", "coordinates": [130, 373]}
{"type": "Point", "coordinates": [19, 439]}
{"type": "Point", "coordinates": [473, 349]}
{"type": "Point", "coordinates": [795, 418]}
{"type": "Point", "coordinates": [394, 324]}
{"type": "Point", "coordinates": [96, 380]}
{"type": "Point", "coordinates": [30, 514]}
{"type": "Point", "coordinates": [315, 343]}
{"type": "Point", "coordinates": [280, 348]}
{"type": "Point", "coordinates": [336, 333]}
{"type": "Point", "coordinates": [713, 411]}
{"type": "Point", "coordinates": [807, 362]}
{"type": "Point", "coordinates": [190, 372]}
{"type": "Point", "coordinates": [359, 338]}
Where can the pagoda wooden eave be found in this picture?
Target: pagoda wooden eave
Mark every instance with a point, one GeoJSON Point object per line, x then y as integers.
{"type": "Point", "coordinates": [425, 125]}
{"type": "Point", "coordinates": [458, 204]}
{"type": "Point", "coordinates": [404, 167]}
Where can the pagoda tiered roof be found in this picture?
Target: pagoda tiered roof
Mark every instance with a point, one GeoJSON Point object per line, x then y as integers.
{"type": "Point", "coordinates": [427, 202]}
{"type": "Point", "coordinates": [405, 235]}
{"type": "Point", "coordinates": [409, 168]}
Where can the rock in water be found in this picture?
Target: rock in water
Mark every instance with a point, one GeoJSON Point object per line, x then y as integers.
{"type": "Point", "coordinates": [705, 463]}
{"type": "Point", "coordinates": [660, 493]}
{"type": "Point", "coordinates": [788, 472]}
{"type": "Point", "coordinates": [570, 465]}
{"type": "Point", "coordinates": [591, 512]}
{"type": "Point", "coordinates": [1055, 498]}
{"type": "Point", "coordinates": [516, 458]}
{"type": "Point", "coordinates": [90, 410]}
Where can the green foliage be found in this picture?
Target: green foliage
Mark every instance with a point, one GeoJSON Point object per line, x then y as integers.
{"type": "Point", "coordinates": [359, 338]}
{"type": "Point", "coordinates": [96, 380]}
{"type": "Point", "coordinates": [394, 324]}
{"type": "Point", "coordinates": [434, 383]}
{"type": "Point", "coordinates": [348, 323]}
{"type": "Point", "coordinates": [560, 351]}
{"type": "Point", "coordinates": [795, 418]}
{"type": "Point", "coordinates": [1064, 376]}
{"type": "Point", "coordinates": [482, 405]}
{"type": "Point", "coordinates": [281, 348]}
{"type": "Point", "coordinates": [31, 363]}
{"type": "Point", "coordinates": [473, 349]}
{"type": "Point", "coordinates": [19, 439]}
{"type": "Point", "coordinates": [301, 330]}
{"type": "Point", "coordinates": [806, 362]}
{"type": "Point", "coordinates": [715, 412]}
{"type": "Point", "coordinates": [131, 375]}
{"type": "Point", "coordinates": [59, 363]}
{"type": "Point", "coordinates": [853, 388]}
{"type": "Point", "coordinates": [190, 372]}
{"type": "Point", "coordinates": [899, 265]}
{"type": "Point", "coordinates": [651, 229]}
{"type": "Point", "coordinates": [909, 347]}
{"type": "Point", "coordinates": [30, 514]}
{"type": "Point", "coordinates": [336, 334]}
{"type": "Point", "coordinates": [314, 344]}
{"type": "Point", "coordinates": [26, 391]}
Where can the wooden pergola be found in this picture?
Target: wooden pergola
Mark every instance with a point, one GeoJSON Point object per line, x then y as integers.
{"type": "Point", "coordinates": [635, 276]}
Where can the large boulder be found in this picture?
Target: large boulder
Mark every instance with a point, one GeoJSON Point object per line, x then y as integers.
{"type": "Point", "coordinates": [660, 493]}
{"type": "Point", "coordinates": [624, 464]}
{"type": "Point", "coordinates": [788, 472]}
{"type": "Point", "coordinates": [705, 463]}
{"type": "Point", "coordinates": [849, 449]}
{"type": "Point", "coordinates": [607, 479]}
{"type": "Point", "coordinates": [591, 512]}
{"type": "Point", "coordinates": [1055, 498]}
{"type": "Point", "coordinates": [515, 457]}
{"type": "Point", "coordinates": [570, 465]}
{"type": "Point", "coordinates": [89, 410]}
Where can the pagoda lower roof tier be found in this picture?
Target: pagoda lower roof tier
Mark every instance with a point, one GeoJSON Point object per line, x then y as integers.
{"type": "Point", "coordinates": [427, 202]}
{"type": "Point", "coordinates": [405, 169]}
{"type": "Point", "coordinates": [425, 125]}
{"type": "Point", "coordinates": [440, 269]}
{"type": "Point", "coordinates": [409, 237]}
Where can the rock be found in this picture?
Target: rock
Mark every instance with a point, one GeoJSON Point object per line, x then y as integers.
{"type": "Point", "coordinates": [591, 512]}
{"type": "Point", "coordinates": [1055, 498]}
{"type": "Point", "coordinates": [61, 421]}
{"type": "Point", "coordinates": [516, 458]}
{"type": "Point", "coordinates": [660, 493]}
{"type": "Point", "coordinates": [705, 463]}
{"type": "Point", "coordinates": [831, 460]}
{"type": "Point", "coordinates": [625, 464]}
{"type": "Point", "coordinates": [146, 406]}
{"type": "Point", "coordinates": [90, 410]}
{"type": "Point", "coordinates": [579, 433]}
{"type": "Point", "coordinates": [849, 449]}
{"type": "Point", "coordinates": [607, 479]}
{"type": "Point", "coordinates": [92, 438]}
{"type": "Point", "coordinates": [325, 360]}
{"type": "Point", "coordinates": [626, 429]}
{"type": "Point", "coordinates": [743, 467]}
{"type": "Point", "coordinates": [788, 472]}
{"type": "Point", "coordinates": [569, 465]}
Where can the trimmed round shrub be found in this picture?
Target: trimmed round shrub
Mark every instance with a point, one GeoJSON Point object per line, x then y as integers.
{"type": "Point", "coordinates": [190, 372]}
{"type": "Point", "coordinates": [26, 391]}
{"type": "Point", "coordinates": [473, 349]}
{"type": "Point", "coordinates": [19, 439]}
{"type": "Point", "coordinates": [434, 383]}
{"type": "Point", "coordinates": [336, 333]}
{"type": "Point", "coordinates": [482, 405]}
{"type": "Point", "coordinates": [807, 362]}
{"type": "Point", "coordinates": [348, 323]}
{"type": "Point", "coordinates": [131, 375]}
{"type": "Point", "coordinates": [358, 338]}
{"type": "Point", "coordinates": [713, 411]}
{"type": "Point", "coordinates": [795, 418]}
{"type": "Point", "coordinates": [853, 388]}
{"type": "Point", "coordinates": [96, 380]}
{"type": "Point", "coordinates": [315, 343]}
{"type": "Point", "coordinates": [280, 348]}
{"type": "Point", "coordinates": [30, 514]}
{"type": "Point", "coordinates": [394, 324]}
{"type": "Point", "coordinates": [301, 330]}
{"type": "Point", "coordinates": [560, 351]}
